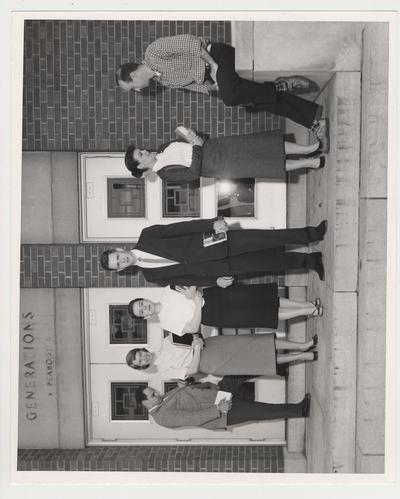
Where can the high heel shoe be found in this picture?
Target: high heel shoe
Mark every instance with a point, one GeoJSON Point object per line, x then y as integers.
{"type": "Point", "coordinates": [314, 343]}
{"type": "Point", "coordinates": [317, 153]}
{"type": "Point", "coordinates": [314, 313]}
{"type": "Point", "coordinates": [317, 302]}
{"type": "Point", "coordinates": [315, 355]}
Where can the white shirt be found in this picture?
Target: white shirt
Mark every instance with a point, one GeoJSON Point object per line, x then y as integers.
{"type": "Point", "coordinates": [177, 153]}
{"type": "Point", "coordinates": [176, 310]}
{"type": "Point", "coordinates": [173, 361]}
{"type": "Point", "coordinates": [149, 265]}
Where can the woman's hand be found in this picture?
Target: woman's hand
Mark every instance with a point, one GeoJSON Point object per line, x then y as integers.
{"type": "Point", "coordinates": [188, 291]}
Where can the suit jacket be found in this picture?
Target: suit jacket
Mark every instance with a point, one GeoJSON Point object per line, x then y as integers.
{"type": "Point", "coordinates": [190, 406]}
{"type": "Point", "coordinates": [183, 242]}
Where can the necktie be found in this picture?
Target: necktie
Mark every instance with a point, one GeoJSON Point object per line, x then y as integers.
{"type": "Point", "coordinates": [155, 260]}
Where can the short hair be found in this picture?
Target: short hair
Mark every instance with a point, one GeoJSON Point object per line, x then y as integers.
{"type": "Point", "coordinates": [131, 357]}
{"type": "Point", "coordinates": [131, 163]}
{"type": "Point", "coordinates": [130, 308]}
{"type": "Point", "coordinates": [104, 259]}
{"type": "Point", "coordinates": [139, 395]}
{"type": "Point", "coordinates": [124, 71]}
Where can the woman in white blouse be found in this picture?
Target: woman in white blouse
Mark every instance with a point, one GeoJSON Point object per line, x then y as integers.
{"type": "Point", "coordinates": [256, 155]}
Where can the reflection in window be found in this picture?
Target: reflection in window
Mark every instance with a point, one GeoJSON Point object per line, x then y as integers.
{"type": "Point", "coordinates": [126, 198]}
{"type": "Point", "coordinates": [235, 198]}
{"type": "Point", "coordinates": [125, 329]}
{"type": "Point", "coordinates": [181, 200]}
{"type": "Point", "coordinates": [123, 402]}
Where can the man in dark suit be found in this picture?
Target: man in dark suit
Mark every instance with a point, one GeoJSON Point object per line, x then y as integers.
{"type": "Point", "coordinates": [177, 254]}
{"type": "Point", "coordinates": [194, 405]}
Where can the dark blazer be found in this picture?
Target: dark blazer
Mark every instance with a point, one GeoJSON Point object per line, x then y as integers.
{"type": "Point", "coordinates": [190, 406]}
{"type": "Point", "coordinates": [183, 242]}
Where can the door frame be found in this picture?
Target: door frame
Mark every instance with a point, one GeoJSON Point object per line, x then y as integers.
{"type": "Point", "coordinates": [87, 405]}
{"type": "Point", "coordinates": [272, 202]}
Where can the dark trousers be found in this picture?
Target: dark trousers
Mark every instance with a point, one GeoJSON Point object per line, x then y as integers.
{"type": "Point", "coordinates": [270, 261]}
{"type": "Point", "coordinates": [261, 251]}
{"type": "Point", "coordinates": [235, 90]}
{"type": "Point", "coordinates": [250, 240]}
{"type": "Point", "coordinates": [246, 411]}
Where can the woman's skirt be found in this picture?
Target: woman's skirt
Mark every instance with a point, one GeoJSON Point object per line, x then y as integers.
{"type": "Point", "coordinates": [241, 306]}
{"type": "Point", "coordinates": [255, 155]}
{"type": "Point", "coordinates": [242, 354]}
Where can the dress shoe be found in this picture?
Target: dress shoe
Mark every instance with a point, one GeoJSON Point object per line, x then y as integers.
{"type": "Point", "coordinates": [306, 403]}
{"type": "Point", "coordinates": [321, 130]}
{"type": "Point", "coordinates": [321, 229]}
{"type": "Point", "coordinates": [317, 264]}
{"type": "Point", "coordinates": [314, 343]}
{"type": "Point", "coordinates": [297, 84]}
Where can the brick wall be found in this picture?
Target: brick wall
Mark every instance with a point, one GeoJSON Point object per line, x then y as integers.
{"type": "Point", "coordinates": [78, 265]}
{"type": "Point", "coordinates": [71, 101]}
{"type": "Point", "coordinates": [254, 458]}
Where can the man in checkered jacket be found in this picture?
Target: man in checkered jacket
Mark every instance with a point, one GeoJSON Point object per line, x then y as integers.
{"type": "Point", "coordinates": [190, 62]}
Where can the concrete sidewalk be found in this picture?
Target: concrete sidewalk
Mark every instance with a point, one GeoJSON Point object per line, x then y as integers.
{"type": "Point", "coordinates": [345, 432]}
{"type": "Point", "coordinates": [348, 382]}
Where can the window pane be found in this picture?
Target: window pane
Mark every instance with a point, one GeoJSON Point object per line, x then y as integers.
{"type": "Point", "coordinates": [169, 385]}
{"type": "Point", "coordinates": [236, 197]}
{"type": "Point", "coordinates": [125, 329]}
{"type": "Point", "coordinates": [123, 402]}
{"type": "Point", "coordinates": [126, 198]}
{"type": "Point", "coordinates": [181, 200]}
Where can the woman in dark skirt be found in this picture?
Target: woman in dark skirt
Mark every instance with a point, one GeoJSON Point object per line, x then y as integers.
{"type": "Point", "coordinates": [256, 155]}
{"type": "Point", "coordinates": [237, 306]}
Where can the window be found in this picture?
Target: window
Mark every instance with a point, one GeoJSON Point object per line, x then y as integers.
{"type": "Point", "coordinates": [181, 200]}
{"type": "Point", "coordinates": [236, 198]}
{"type": "Point", "coordinates": [123, 402]}
{"type": "Point", "coordinates": [125, 329]}
{"type": "Point", "coordinates": [170, 385]}
{"type": "Point", "coordinates": [126, 198]}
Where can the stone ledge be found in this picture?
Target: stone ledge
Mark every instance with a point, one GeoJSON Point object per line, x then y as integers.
{"type": "Point", "coordinates": [372, 327]}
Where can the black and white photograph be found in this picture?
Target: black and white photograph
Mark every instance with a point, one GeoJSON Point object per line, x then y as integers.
{"type": "Point", "coordinates": [203, 243]}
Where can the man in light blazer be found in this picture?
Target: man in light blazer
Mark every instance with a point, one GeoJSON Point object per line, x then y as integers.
{"type": "Point", "coordinates": [177, 254]}
{"type": "Point", "coordinates": [194, 405]}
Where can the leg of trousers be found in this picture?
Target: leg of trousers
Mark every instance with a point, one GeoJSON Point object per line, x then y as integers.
{"type": "Point", "coordinates": [236, 385]}
{"type": "Point", "coordinates": [245, 411]}
{"type": "Point", "coordinates": [289, 105]}
{"type": "Point", "coordinates": [235, 90]}
{"type": "Point", "coordinates": [270, 262]}
{"type": "Point", "coordinates": [233, 383]}
{"type": "Point", "coordinates": [248, 240]}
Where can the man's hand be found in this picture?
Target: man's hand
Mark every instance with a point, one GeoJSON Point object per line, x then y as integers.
{"type": "Point", "coordinates": [224, 405]}
{"type": "Point", "coordinates": [224, 282]}
{"type": "Point", "coordinates": [220, 226]}
{"type": "Point", "coordinates": [213, 71]}
{"type": "Point", "coordinates": [211, 86]}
